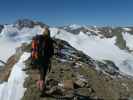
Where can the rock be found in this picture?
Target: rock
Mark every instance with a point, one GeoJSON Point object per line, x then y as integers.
{"type": "Point", "coordinates": [109, 67]}
{"type": "Point", "coordinates": [84, 91]}
{"type": "Point", "coordinates": [77, 65]}
{"type": "Point", "coordinates": [106, 32]}
{"type": "Point", "coordinates": [68, 84]}
{"type": "Point", "coordinates": [54, 90]}
{"type": "Point", "coordinates": [1, 28]}
{"type": "Point", "coordinates": [80, 83]}
{"type": "Point", "coordinates": [52, 82]}
{"type": "Point", "coordinates": [5, 72]}
{"type": "Point", "coordinates": [28, 23]}
{"type": "Point", "coordinates": [24, 23]}
{"type": "Point", "coordinates": [2, 62]}
{"type": "Point", "coordinates": [112, 65]}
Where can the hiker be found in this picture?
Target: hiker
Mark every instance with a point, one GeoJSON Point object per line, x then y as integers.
{"type": "Point", "coordinates": [42, 51]}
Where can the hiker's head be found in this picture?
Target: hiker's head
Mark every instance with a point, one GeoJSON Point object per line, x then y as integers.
{"type": "Point", "coordinates": [46, 32]}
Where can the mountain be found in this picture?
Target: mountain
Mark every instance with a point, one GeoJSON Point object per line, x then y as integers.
{"type": "Point", "coordinates": [90, 54]}
{"type": "Point", "coordinates": [116, 42]}
{"type": "Point", "coordinates": [21, 23]}
{"type": "Point", "coordinates": [105, 32]}
{"type": "Point", "coordinates": [116, 48]}
{"type": "Point", "coordinates": [100, 43]}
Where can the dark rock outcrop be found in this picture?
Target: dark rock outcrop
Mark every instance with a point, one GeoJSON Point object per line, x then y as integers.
{"type": "Point", "coordinates": [5, 71]}
{"type": "Point", "coordinates": [28, 23]}
{"type": "Point", "coordinates": [1, 27]}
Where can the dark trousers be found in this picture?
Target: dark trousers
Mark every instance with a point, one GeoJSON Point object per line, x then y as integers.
{"type": "Point", "coordinates": [43, 71]}
{"type": "Point", "coordinates": [43, 68]}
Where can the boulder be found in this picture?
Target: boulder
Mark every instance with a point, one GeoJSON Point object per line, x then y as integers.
{"type": "Point", "coordinates": [68, 84]}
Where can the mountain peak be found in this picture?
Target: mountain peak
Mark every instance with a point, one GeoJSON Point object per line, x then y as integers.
{"type": "Point", "coordinates": [21, 23]}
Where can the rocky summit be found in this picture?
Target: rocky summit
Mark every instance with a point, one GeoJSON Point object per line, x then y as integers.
{"type": "Point", "coordinates": [21, 23]}
{"type": "Point", "coordinates": [76, 76]}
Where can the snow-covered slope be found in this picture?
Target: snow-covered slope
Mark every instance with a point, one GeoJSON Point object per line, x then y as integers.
{"type": "Point", "coordinates": [74, 26]}
{"type": "Point", "coordinates": [13, 89]}
{"type": "Point", "coordinates": [11, 37]}
{"type": "Point", "coordinates": [98, 43]}
{"type": "Point", "coordinates": [12, 33]}
{"type": "Point", "coordinates": [91, 40]}
{"type": "Point", "coordinates": [129, 40]}
{"type": "Point", "coordinates": [99, 48]}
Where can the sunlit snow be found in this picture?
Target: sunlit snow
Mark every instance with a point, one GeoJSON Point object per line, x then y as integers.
{"type": "Point", "coordinates": [99, 49]}
{"type": "Point", "coordinates": [11, 37]}
{"type": "Point", "coordinates": [94, 46]}
{"type": "Point", "coordinates": [13, 88]}
{"type": "Point", "coordinates": [129, 40]}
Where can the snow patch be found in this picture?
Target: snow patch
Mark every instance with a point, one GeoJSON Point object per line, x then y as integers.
{"type": "Point", "coordinates": [75, 26]}
{"type": "Point", "coordinates": [129, 39]}
{"type": "Point", "coordinates": [7, 49]}
{"type": "Point", "coordinates": [126, 29]}
{"type": "Point", "coordinates": [94, 30]}
{"type": "Point", "coordinates": [13, 89]}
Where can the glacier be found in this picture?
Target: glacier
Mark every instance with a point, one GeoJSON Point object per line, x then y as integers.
{"type": "Point", "coordinates": [98, 48]}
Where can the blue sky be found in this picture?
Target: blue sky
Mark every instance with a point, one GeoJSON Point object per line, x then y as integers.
{"type": "Point", "coordinates": [62, 12]}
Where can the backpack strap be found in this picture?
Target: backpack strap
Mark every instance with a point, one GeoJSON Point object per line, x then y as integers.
{"type": "Point", "coordinates": [34, 53]}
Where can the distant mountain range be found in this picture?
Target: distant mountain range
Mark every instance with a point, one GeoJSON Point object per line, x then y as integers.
{"type": "Point", "coordinates": [100, 43]}
{"type": "Point", "coordinates": [99, 60]}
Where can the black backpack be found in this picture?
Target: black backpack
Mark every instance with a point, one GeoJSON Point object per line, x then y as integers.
{"type": "Point", "coordinates": [45, 47]}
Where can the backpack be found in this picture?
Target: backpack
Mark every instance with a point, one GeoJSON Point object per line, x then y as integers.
{"type": "Point", "coordinates": [41, 48]}
{"type": "Point", "coordinates": [34, 50]}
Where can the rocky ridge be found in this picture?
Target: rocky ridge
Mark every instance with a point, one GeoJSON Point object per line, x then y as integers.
{"type": "Point", "coordinates": [76, 76]}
